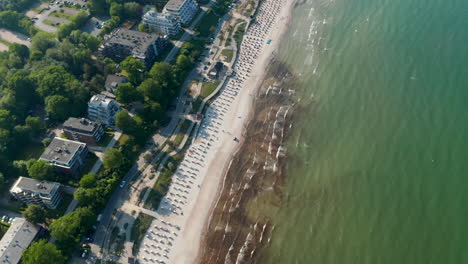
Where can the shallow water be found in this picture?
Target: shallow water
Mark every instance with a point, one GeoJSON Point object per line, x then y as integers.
{"type": "Point", "coordinates": [378, 169]}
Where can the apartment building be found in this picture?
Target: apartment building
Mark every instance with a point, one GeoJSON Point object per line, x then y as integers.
{"type": "Point", "coordinates": [162, 23]}
{"type": "Point", "coordinates": [122, 43]}
{"type": "Point", "coordinates": [103, 109]}
{"type": "Point", "coordinates": [31, 191]}
{"type": "Point", "coordinates": [184, 10]}
{"type": "Point", "coordinates": [65, 155]}
{"type": "Point", "coordinates": [83, 130]}
{"type": "Point", "coordinates": [18, 237]}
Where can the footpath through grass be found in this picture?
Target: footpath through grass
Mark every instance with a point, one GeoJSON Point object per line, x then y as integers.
{"type": "Point", "coordinates": [141, 225]}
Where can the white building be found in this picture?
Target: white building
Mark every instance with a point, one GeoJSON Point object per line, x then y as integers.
{"type": "Point", "coordinates": [32, 191]}
{"type": "Point", "coordinates": [184, 10]}
{"type": "Point", "coordinates": [103, 109]}
{"type": "Point", "coordinates": [17, 238]}
{"type": "Point", "coordinates": [162, 23]}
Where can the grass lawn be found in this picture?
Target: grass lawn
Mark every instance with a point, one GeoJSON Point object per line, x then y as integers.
{"type": "Point", "coordinates": [89, 163]}
{"type": "Point", "coordinates": [141, 224]}
{"type": "Point", "coordinates": [61, 15]}
{"type": "Point", "coordinates": [183, 130]}
{"type": "Point", "coordinates": [4, 42]}
{"type": "Point", "coordinates": [51, 23]}
{"type": "Point", "coordinates": [239, 34]}
{"type": "Point", "coordinates": [228, 53]}
{"type": "Point", "coordinates": [38, 10]}
{"type": "Point", "coordinates": [207, 24]}
{"type": "Point", "coordinates": [61, 208]}
{"type": "Point", "coordinates": [107, 137]}
{"type": "Point", "coordinates": [3, 228]}
{"type": "Point", "coordinates": [208, 88]}
{"type": "Point", "coordinates": [31, 150]}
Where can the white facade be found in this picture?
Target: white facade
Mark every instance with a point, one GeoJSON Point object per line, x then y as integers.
{"type": "Point", "coordinates": [17, 238]}
{"type": "Point", "coordinates": [32, 191]}
{"type": "Point", "coordinates": [163, 23]}
{"type": "Point", "coordinates": [103, 109]}
{"type": "Point", "coordinates": [184, 10]}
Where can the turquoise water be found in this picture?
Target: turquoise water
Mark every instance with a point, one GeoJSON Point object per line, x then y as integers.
{"type": "Point", "coordinates": [380, 168]}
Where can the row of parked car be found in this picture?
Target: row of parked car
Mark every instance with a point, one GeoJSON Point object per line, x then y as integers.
{"type": "Point", "coordinates": [7, 219]}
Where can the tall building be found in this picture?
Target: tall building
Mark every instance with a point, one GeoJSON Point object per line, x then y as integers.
{"type": "Point", "coordinates": [122, 43]}
{"type": "Point", "coordinates": [184, 10]}
{"type": "Point", "coordinates": [17, 239]}
{"type": "Point", "coordinates": [102, 109]}
{"type": "Point", "coordinates": [83, 130]}
{"type": "Point", "coordinates": [31, 191]}
{"type": "Point", "coordinates": [65, 155]}
{"type": "Point", "coordinates": [162, 23]}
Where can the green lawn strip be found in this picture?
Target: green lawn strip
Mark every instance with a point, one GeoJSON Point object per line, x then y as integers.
{"type": "Point", "coordinates": [207, 24]}
{"type": "Point", "coordinates": [51, 23]}
{"type": "Point", "coordinates": [107, 137]}
{"type": "Point", "coordinates": [228, 53]}
{"type": "Point", "coordinates": [63, 15]}
{"type": "Point", "coordinates": [61, 208]}
{"type": "Point", "coordinates": [5, 42]}
{"type": "Point", "coordinates": [208, 88]}
{"type": "Point", "coordinates": [3, 228]}
{"type": "Point", "coordinates": [38, 10]}
{"type": "Point", "coordinates": [89, 163]}
{"type": "Point", "coordinates": [239, 34]}
{"type": "Point", "coordinates": [141, 224]}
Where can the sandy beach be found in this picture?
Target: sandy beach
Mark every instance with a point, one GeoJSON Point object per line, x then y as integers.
{"type": "Point", "coordinates": [177, 233]}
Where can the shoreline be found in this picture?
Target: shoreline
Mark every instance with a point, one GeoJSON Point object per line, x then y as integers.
{"type": "Point", "coordinates": [211, 153]}
{"type": "Point", "coordinates": [268, 56]}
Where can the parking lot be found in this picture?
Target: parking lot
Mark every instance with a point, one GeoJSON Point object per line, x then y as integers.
{"type": "Point", "coordinates": [94, 25]}
{"type": "Point", "coordinates": [49, 16]}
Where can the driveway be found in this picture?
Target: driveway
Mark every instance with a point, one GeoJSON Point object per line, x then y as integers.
{"type": "Point", "coordinates": [91, 26]}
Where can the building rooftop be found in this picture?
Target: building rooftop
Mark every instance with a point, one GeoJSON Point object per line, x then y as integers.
{"type": "Point", "coordinates": [175, 4]}
{"type": "Point", "coordinates": [33, 185]}
{"type": "Point", "coordinates": [61, 150]}
{"type": "Point", "coordinates": [100, 99]}
{"type": "Point", "coordinates": [17, 238]}
{"type": "Point", "coordinates": [82, 124]}
{"type": "Point", "coordinates": [112, 81]}
{"type": "Point", "coordinates": [137, 41]}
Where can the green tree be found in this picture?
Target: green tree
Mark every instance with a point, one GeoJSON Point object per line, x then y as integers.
{"type": "Point", "coordinates": [116, 9]}
{"type": "Point", "coordinates": [126, 93]}
{"type": "Point", "coordinates": [142, 27]}
{"type": "Point", "coordinates": [151, 111]}
{"type": "Point", "coordinates": [126, 123]}
{"type": "Point", "coordinates": [131, 10]}
{"type": "Point", "coordinates": [41, 170]}
{"type": "Point", "coordinates": [151, 89]}
{"type": "Point", "coordinates": [42, 252]}
{"type": "Point", "coordinates": [134, 68]}
{"type": "Point", "coordinates": [88, 180]}
{"type": "Point", "coordinates": [88, 197]}
{"type": "Point", "coordinates": [69, 228]}
{"type": "Point", "coordinates": [183, 62]}
{"type": "Point", "coordinates": [42, 41]}
{"type": "Point", "coordinates": [163, 73]}
{"type": "Point", "coordinates": [35, 214]}
{"type": "Point", "coordinates": [113, 159]}
{"type": "Point", "coordinates": [37, 126]}
{"type": "Point", "coordinates": [57, 107]}
{"type": "Point", "coordinates": [20, 50]}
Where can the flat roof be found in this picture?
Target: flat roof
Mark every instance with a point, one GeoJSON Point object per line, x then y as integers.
{"type": "Point", "coordinates": [17, 238]}
{"type": "Point", "coordinates": [82, 124]}
{"type": "Point", "coordinates": [61, 150]}
{"type": "Point", "coordinates": [175, 4]}
{"type": "Point", "coordinates": [137, 41]}
{"type": "Point", "coordinates": [29, 184]}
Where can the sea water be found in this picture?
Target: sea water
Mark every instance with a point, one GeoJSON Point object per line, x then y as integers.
{"type": "Point", "coordinates": [378, 168]}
